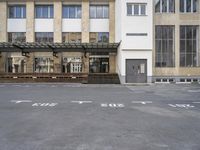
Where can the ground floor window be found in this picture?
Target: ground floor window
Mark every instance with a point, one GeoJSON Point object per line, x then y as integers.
{"type": "Point", "coordinates": [72, 65]}
{"type": "Point", "coordinates": [164, 46]}
{"type": "Point", "coordinates": [99, 65]}
{"type": "Point", "coordinates": [43, 65]}
{"type": "Point", "coordinates": [16, 65]}
{"type": "Point", "coordinates": [189, 52]}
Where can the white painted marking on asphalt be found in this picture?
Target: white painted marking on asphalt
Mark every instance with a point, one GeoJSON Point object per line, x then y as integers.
{"type": "Point", "coordinates": [2, 85]}
{"type": "Point", "coordinates": [142, 102]}
{"type": "Point", "coordinates": [21, 101]}
{"type": "Point", "coordinates": [44, 104]}
{"type": "Point", "coordinates": [181, 106]}
{"type": "Point", "coordinates": [196, 102]}
{"type": "Point", "coordinates": [112, 105]}
{"type": "Point", "coordinates": [81, 102]}
{"type": "Point", "coordinates": [194, 91]}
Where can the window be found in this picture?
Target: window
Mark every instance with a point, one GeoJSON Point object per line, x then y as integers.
{"type": "Point", "coordinates": [188, 6]}
{"type": "Point", "coordinates": [99, 11]}
{"type": "Point", "coordinates": [164, 6]}
{"type": "Point", "coordinates": [136, 9]}
{"type": "Point", "coordinates": [189, 54]}
{"type": "Point", "coordinates": [71, 37]}
{"type": "Point", "coordinates": [15, 65]}
{"type": "Point", "coordinates": [16, 37]}
{"type": "Point", "coordinates": [72, 65]}
{"type": "Point", "coordinates": [44, 11]}
{"type": "Point", "coordinates": [100, 37]}
{"type": "Point", "coordinates": [43, 65]}
{"type": "Point", "coordinates": [164, 46]}
{"type": "Point", "coordinates": [71, 11]}
{"type": "Point", "coordinates": [16, 11]}
{"type": "Point", "coordinates": [44, 37]}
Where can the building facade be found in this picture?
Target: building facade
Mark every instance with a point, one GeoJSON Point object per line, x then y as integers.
{"type": "Point", "coordinates": [139, 41]}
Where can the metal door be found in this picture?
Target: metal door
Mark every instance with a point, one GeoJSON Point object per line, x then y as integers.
{"type": "Point", "coordinates": [136, 71]}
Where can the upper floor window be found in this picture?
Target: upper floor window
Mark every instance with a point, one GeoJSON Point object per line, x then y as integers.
{"type": "Point", "coordinates": [16, 37]}
{"type": "Point", "coordinates": [71, 11]}
{"type": "Point", "coordinates": [99, 37]}
{"type": "Point", "coordinates": [44, 11]}
{"type": "Point", "coordinates": [44, 37]}
{"type": "Point", "coordinates": [188, 6]}
{"type": "Point", "coordinates": [165, 6]}
{"type": "Point", "coordinates": [17, 11]}
{"type": "Point", "coordinates": [136, 9]}
{"type": "Point", "coordinates": [71, 37]}
{"type": "Point", "coordinates": [99, 11]}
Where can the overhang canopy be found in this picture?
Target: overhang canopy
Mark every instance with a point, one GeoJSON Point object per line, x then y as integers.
{"type": "Point", "coordinates": [58, 47]}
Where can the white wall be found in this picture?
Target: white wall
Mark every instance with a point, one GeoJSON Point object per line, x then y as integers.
{"type": "Point", "coordinates": [133, 47]}
{"type": "Point", "coordinates": [99, 25]}
{"type": "Point", "coordinates": [71, 25]}
{"type": "Point", "coordinates": [16, 25]}
{"type": "Point", "coordinates": [44, 25]}
{"type": "Point", "coordinates": [134, 24]}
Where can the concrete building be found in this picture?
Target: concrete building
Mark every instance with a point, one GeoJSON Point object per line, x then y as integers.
{"type": "Point", "coordinates": [101, 41]}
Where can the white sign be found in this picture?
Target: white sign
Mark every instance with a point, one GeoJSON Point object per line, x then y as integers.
{"type": "Point", "coordinates": [112, 105]}
{"type": "Point", "coordinates": [181, 106]}
{"type": "Point", "coordinates": [44, 104]}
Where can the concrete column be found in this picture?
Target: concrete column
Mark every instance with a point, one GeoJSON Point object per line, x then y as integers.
{"type": "Point", "coordinates": [85, 21]}
{"type": "Point", "coordinates": [112, 63]}
{"type": "Point", "coordinates": [2, 62]}
{"type": "Point", "coordinates": [30, 63]}
{"type": "Point", "coordinates": [86, 62]}
{"type": "Point", "coordinates": [177, 46]}
{"type": "Point", "coordinates": [30, 25]}
{"type": "Point", "coordinates": [111, 21]}
{"type": "Point", "coordinates": [58, 22]}
{"type": "Point", "coordinates": [3, 22]}
{"type": "Point", "coordinates": [57, 63]}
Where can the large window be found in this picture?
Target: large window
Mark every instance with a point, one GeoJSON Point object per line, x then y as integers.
{"type": "Point", "coordinates": [136, 9]}
{"type": "Point", "coordinates": [165, 6]}
{"type": "Point", "coordinates": [189, 55]}
{"type": "Point", "coordinates": [43, 65]}
{"type": "Point", "coordinates": [72, 65]}
{"type": "Point", "coordinates": [71, 37]}
{"type": "Point", "coordinates": [188, 6]}
{"type": "Point", "coordinates": [99, 11]}
{"type": "Point", "coordinates": [16, 37]}
{"type": "Point", "coordinates": [164, 46]}
{"type": "Point", "coordinates": [99, 37]}
{"type": "Point", "coordinates": [71, 11]}
{"type": "Point", "coordinates": [44, 11]}
{"type": "Point", "coordinates": [43, 37]}
{"type": "Point", "coordinates": [17, 11]}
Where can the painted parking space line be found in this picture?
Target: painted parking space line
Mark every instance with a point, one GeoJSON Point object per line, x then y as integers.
{"type": "Point", "coordinates": [44, 104]}
{"type": "Point", "coordinates": [81, 102]}
{"type": "Point", "coordinates": [194, 91]}
{"type": "Point", "coordinates": [112, 105]}
{"type": "Point", "coordinates": [21, 101]}
{"type": "Point", "coordinates": [142, 102]}
{"type": "Point", "coordinates": [196, 102]}
{"type": "Point", "coordinates": [186, 106]}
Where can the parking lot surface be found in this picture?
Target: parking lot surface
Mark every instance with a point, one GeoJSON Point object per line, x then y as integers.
{"type": "Point", "coordinates": [58, 116]}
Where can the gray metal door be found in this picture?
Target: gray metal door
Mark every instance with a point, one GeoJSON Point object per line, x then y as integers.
{"type": "Point", "coordinates": [136, 71]}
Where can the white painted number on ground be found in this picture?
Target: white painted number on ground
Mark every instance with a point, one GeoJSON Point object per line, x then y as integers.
{"type": "Point", "coordinates": [181, 106]}
{"type": "Point", "coordinates": [44, 104]}
{"type": "Point", "coordinates": [113, 105]}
